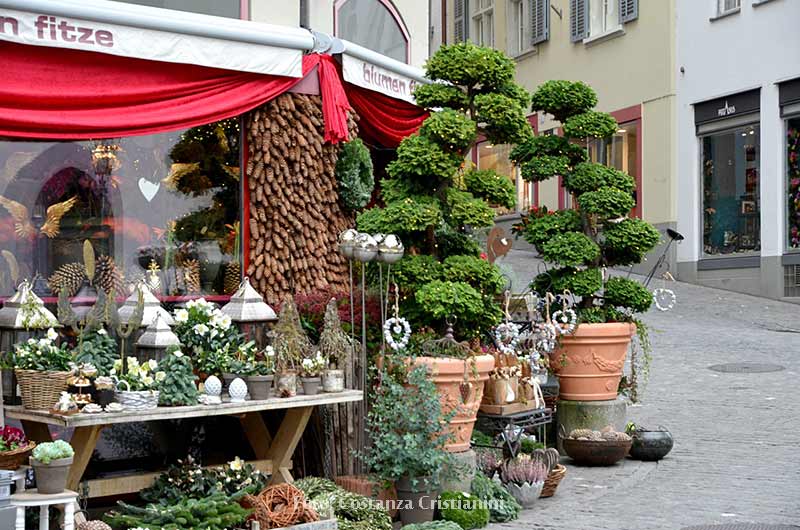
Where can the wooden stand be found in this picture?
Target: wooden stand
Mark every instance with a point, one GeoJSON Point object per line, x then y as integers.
{"type": "Point", "coordinates": [273, 453]}
{"type": "Point", "coordinates": [31, 498]}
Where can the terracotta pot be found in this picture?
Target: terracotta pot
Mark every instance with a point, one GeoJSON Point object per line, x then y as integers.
{"type": "Point", "coordinates": [589, 362]}
{"type": "Point", "coordinates": [448, 374]}
{"type": "Point", "coordinates": [368, 487]}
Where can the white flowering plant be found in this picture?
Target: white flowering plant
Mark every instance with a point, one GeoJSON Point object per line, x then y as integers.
{"type": "Point", "coordinates": [138, 376]}
{"type": "Point", "coordinates": [42, 354]}
{"type": "Point", "coordinates": [314, 365]}
{"type": "Point", "coordinates": [203, 328]}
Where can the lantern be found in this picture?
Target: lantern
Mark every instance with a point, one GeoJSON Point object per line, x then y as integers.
{"type": "Point", "coordinates": [23, 316]}
{"type": "Point", "coordinates": [152, 307]}
{"type": "Point", "coordinates": [155, 340]}
{"type": "Point", "coordinates": [84, 300]}
{"type": "Point", "coordinates": [250, 313]}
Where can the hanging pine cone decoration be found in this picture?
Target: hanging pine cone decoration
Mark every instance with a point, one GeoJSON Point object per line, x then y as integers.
{"type": "Point", "coordinates": [233, 277]}
{"type": "Point", "coordinates": [107, 277]}
{"type": "Point", "coordinates": [69, 276]}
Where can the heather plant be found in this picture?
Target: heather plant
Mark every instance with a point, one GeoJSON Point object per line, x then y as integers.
{"type": "Point", "coordinates": [523, 470]}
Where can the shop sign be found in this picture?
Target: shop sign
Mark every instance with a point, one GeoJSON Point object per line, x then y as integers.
{"type": "Point", "coordinates": [372, 77]}
{"type": "Point", "coordinates": [40, 29]}
{"type": "Point", "coordinates": [727, 107]}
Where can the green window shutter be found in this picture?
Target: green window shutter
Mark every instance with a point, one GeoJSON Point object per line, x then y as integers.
{"type": "Point", "coordinates": [628, 10]}
{"type": "Point", "coordinates": [539, 11]}
{"type": "Point", "coordinates": [578, 20]}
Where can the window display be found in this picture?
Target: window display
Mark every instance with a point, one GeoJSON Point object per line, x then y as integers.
{"type": "Point", "coordinates": [162, 208]}
{"type": "Point", "coordinates": [731, 206]}
{"type": "Point", "coordinates": [793, 180]}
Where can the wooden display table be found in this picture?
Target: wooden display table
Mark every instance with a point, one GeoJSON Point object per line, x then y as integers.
{"type": "Point", "coordinates": [273, 453]}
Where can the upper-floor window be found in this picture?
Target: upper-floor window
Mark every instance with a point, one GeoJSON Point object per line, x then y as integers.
{"type": "Point", "coordinates": [374, 24]}
{"type": "Point", "coordinates": [220, 8]}
{"type": "Point", "coordinates": [518, 29]}
{"type": "Point", "coordinates": [589, 19]}
{"type": "Point", "coordinates": [483, 22]}
{"type": "Point", "coordinates": [727, 6]}
{"type": "Point", "coordinates": [603, 17]}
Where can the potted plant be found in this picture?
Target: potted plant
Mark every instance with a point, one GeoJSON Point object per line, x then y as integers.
{"type": "Point", "coordinates": [178, 387]}
{"type": "Point", "coordinates": [407, 447]}
{"type": "Point", "coordinates": [649, 445]}
{"type": "Point", "coordinates": [336, 346]}
{"type": "Point", "coordinates": [42, 369]}
{"type": "Point", "coordinates": [242, 363]}
{"type": "Point", "coordinates": [104, 390]}
{"type": "Point", "coordinates": [99, 349]}
{"type": "Point", "coordinates": [310, 370]}
{"type": "Point", "coordinates": [14, 448]}
{"type": "Point", "coordinates": [202, 327]}
{"type": "Point", "coordinates": [291, 345]}
{"type": "Point", "coordinates": [262, 375]}
{"type": "Point", "coordinates": [582, 242]}
{"type": "Point", "coordinates": [51, 462]}
{"type": "Point", "coordinates": [524, 479]}
{"type": "Point", "coordinates": [137, 387]}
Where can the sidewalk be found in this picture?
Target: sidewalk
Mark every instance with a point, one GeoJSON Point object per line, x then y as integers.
{"type": "Point", "coordinates": [737, 435]}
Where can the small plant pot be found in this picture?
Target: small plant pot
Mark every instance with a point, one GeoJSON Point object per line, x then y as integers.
{"type": "Point", "coordinates": [286, 384]}
{"type": "Point", "coordinates": [417, 505]}
{"type": "Point", "coordinates": [226, 380]}
{"type": "Point", "coordinates": [333, 381]}
{"type": "Point", "coordinates": [260, 386]}
{"type": "Point", "coordinates": [311, 385]}
{"type": "Point", "coordinates": [104, 397]}
{"type": "Point", "coordinates": [650, 446]}
{"type": "Point", "coordinates": [51, 478]}
{"type": "Point", "coordinates": [527, 494]}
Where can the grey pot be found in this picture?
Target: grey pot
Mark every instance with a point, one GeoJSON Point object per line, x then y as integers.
{"type": "Point", "coordinates": [416, 506]}
{"type": "Point", "coordinates": [51, 478]}
{"type": "Point", "coordinates": [333, 381]}
{"type": "Point", "coordinates": [260, 386]}
{"type": "Point", "coordinates": [226, 381]}
{"type": "Point", "coordinates": [311, 385]}
{"type": "Point", "coordinates": [527, 494]}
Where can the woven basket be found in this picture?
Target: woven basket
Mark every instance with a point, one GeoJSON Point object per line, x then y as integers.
{"type": "Point", "coordinates": [41, 390]}
{"type": "Point", "coordinates": [553, 480]}
{"type": "Point", "coordinates": [136, 399]}
{"type": "Point", "coordinates": [11, 460]}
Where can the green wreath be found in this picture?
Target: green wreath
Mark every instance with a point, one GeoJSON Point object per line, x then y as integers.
{"type": "Point", "coordinates": [354, 174]}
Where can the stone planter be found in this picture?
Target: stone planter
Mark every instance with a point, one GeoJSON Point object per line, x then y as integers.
{"type": "Point", "coordinates": [51, 478]}
{"type": "Point", "coordinates": [589, 362]}
{"type": "Point", "coordinates": [311, 385]}
{"type": "Point", "coordinates": [527, 494]}
{"type": "Point", "coordinates": [650, 446]}
{"type": "Point", "coordinates": [286, 384]}
{"type": "Point", "coordinates": [260, 386]}
{"type": "Point", "coordinates": [448, 375]}
{"type": "Point", "coordinates": [333, 381]}
{"type": "Point", "coordinates": [417, 505]}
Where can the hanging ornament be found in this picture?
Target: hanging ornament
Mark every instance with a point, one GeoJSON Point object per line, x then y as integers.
{"type": "Point", "coordinates": [397, 330]}
{"type": "Point", "coordinates": [507, 337]}
{"type": "Point", "coordinates": [664, 298]}
{"type": "Point", "coordinates": [565, 319]}
{"type": "Point", "coordinates": [546, 332]}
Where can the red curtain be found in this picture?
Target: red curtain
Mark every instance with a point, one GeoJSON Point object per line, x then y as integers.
{"type": "Point", "coordinates": [385, 121]}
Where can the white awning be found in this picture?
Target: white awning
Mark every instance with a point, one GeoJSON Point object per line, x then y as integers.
{"type": "Point", "coordinates": [371, 70]}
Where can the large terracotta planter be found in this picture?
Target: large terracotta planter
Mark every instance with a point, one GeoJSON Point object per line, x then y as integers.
{"type": "Point", "coordinates": [448, 374]}
{"type": "Point", "coordinates": [589, 362]}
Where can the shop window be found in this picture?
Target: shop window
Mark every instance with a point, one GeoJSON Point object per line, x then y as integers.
{"type": "Point", "coordinates": [496, 157]}
{"type": "Point", "coordinates": [793, 180]}
{"type": "Point", "coordinates": [219, 8]}
{"type": "Point", "coordinates": [603, 17]}
{"type": "Point", "coordinates": [619, 151]}
{"type": "Point", "coordinates": [483, 22]}
{"type": "Point", "coordinates": [731, 206]}
{"type": "Point", "coordinates": [374, 24]}
{"type": "Point", "coordinates": [162, 207]}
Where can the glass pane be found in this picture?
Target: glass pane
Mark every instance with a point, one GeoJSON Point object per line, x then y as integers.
{"type": "Point", "coordinates": [220, 8]}
{"type": "Point", "coordinates": [496, 157]}
{"type": "Point", "coordinates": [731, 218]}
{"type": "Point", "coordinates": [370, 24]}
{"type": "Point", "coordinates": [793, 180]}
{"type": "Point", "coordinates": [167, 202]}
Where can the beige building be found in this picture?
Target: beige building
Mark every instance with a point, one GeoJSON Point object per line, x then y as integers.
{"type": "Point", "coordinates": [624, 49]}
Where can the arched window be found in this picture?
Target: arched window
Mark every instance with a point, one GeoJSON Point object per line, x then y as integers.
{"type": "Point", "coordinates": [374, 24]}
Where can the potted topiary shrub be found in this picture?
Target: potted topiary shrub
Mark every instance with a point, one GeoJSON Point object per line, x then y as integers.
{"type": "Point", "coordinates": [336, 346]}
{"type": "Point", "coordinates": [524, 479]}
{"type": "Point", "coordinates": [291, 345]}
{"type": "Point", "coordinates": [434, 203]}
{"type": "Point", "coordinates": [583, 242]}
{"type": "Point", "coordinates": [51, 462]}
{"type": "Point", "coordinates": [407, 447]}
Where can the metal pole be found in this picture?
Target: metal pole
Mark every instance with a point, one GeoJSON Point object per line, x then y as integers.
{"type": "Point", "coordinates": [380, 296]}
{"type": "Point", "coordinates": [352, 302]}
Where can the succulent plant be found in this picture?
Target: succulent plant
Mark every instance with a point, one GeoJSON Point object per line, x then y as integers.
{"type": "Point", "coordinates": [523, 470]}
{"type": "Point", "coordinates": [49, 451]}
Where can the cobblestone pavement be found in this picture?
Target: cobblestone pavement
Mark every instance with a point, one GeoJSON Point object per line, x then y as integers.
{"type": "Point", "coordinates": [737, 436]}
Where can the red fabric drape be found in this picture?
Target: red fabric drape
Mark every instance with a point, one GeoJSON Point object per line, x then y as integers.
{"type": "Point", "coordinates": [334, 100]}
{"type": "Point", "coordinates": [384, 120]}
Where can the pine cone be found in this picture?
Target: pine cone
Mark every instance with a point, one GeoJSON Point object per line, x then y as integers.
{"type": "Point", "coordinates": [107, 277]}
{"type": "Point", "coordinates": [233, 277]}
{"type": "Point", "coordinates": [188, 275]}
{"type": "Point", "coordinates": [69, 276]}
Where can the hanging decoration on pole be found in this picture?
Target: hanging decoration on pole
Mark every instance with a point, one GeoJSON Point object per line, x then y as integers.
{"type": "Point", "coordinates": [664, 298]}
{"type": "Point", "coordinates": [397, 330]}
{"type": "Point", "coordinates": [565, 319]}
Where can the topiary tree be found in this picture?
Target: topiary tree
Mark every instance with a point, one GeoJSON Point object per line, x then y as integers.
{"type": "Point", "coordinates": [598, 233]}
{"type": "Point", "coordinates": [432, 201]}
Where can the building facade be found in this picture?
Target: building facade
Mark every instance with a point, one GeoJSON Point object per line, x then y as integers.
{"type": "Point", "coordinates": [738, 145]}
{"type": "Point", "coordinates": [394, 29]}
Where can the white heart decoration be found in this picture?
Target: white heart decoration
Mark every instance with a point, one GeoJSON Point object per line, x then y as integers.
{"type": "Point", "coordinates": [148, 189]}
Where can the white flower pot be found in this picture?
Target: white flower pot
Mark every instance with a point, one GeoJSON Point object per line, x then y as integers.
{"type": "Point", "coordinates": [527, 494]}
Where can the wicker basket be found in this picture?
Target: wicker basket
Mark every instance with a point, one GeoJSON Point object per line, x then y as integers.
{"type": "Point", "coordinates": [11, 460]}
{"type": "Point", "coordinates": [136, 399]}
{"type": "Point", "coordinates": [553, 480]}
{"type": "Point", "coordinates": [41, 390]}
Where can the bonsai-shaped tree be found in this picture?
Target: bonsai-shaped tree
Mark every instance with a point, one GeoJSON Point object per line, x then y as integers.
{"type": "Point", "coordinates": [431, 201]}
{"type": "Point", "coordinates": [291, 343]}
{"type": "Point", "coordinates": [335, 345]}
{"type": "Point", "coordinates": [597, 234]}
{"type": "Point", "coordinates": [178, 387]}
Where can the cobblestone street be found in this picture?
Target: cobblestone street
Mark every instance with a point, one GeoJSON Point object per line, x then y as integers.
{"type": "Point", "coordinates": [736, 435]}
